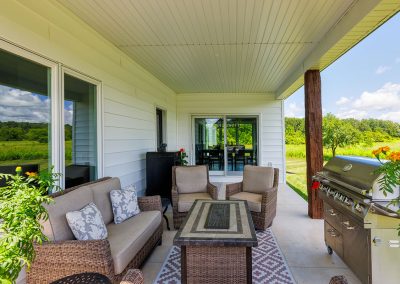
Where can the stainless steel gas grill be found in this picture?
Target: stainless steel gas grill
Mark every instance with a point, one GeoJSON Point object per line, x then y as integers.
{"type": "Point", "coordinates": [358, 225]}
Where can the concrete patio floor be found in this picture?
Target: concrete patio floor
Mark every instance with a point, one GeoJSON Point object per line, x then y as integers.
{"type": "Point", "coordinates": [300, 238]}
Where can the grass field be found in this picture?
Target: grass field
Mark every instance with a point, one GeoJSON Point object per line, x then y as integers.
{"type": "Point", "coordinates": [27, 152]}
{"type": "Point", "coordinates": [296, 161]}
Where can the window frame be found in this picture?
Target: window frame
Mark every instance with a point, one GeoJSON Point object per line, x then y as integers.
{"type": "Point", "coordinates": [99, 117]}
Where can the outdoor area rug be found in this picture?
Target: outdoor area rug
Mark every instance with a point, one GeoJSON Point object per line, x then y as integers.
{"type": "Point", "coordinates": [269, 265]}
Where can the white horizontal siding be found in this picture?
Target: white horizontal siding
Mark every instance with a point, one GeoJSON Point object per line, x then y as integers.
{"type": "Point", "coordinates": [264, 106]}
{"type": "Point", "coordinates": [130, 94]}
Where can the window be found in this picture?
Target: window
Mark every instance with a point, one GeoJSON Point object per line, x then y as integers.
{"type": "Point", "coordinates": [160, 127]}
{"type": "Point", "coordinates": [25, 114]}
{"type": "Point", "coordinates": [80, 131]}
{"type": "Point", "coordinates": [48, 120]}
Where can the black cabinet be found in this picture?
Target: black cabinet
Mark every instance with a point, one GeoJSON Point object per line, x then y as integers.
{"type": "Point", "coordinates": [159, 172]}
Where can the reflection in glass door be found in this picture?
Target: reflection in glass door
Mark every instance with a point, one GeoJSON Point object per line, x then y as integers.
{"type": "Point", "coordinates": [209, 143]}
{"type": "Point", "coordinates": [241, 141]}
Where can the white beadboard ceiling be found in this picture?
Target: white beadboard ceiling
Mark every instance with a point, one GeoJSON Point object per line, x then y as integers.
{"type": "Point", "coordinates": [221, 46]}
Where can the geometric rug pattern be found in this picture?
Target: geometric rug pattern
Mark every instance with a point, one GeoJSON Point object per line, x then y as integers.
{"type": "Point", "coordinates": [269, 265]}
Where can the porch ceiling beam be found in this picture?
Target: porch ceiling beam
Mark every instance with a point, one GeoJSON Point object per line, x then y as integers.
{"type": "Point", "coordinates": [360, 20]}
{"type": "Point", "coordinates": [313, 127]}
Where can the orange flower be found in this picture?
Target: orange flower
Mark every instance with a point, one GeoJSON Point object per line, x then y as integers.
{"type": "Point", "coordinates": [377, 152]}
{"type": "Point", "coordinates": [394, 156]}
{"type": "Point", "coordinates": [31, 174]}
{"type": "Point", "coordinates": [385, 149]}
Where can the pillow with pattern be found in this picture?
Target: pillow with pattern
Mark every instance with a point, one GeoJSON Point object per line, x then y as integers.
{"type": "Point", "coordinates": [124, 204]}
{"type": "Point", "coordinates": [87, 223]}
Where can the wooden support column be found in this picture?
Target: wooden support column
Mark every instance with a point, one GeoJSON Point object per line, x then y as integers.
{"type": "Point", "coordinates": [313, 127]}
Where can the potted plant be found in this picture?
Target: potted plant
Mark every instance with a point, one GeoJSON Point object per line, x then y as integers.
{"type": "Point", "coordinates": [390, 170]}
{"type": "Point", "coordinates": [182, 157]}
{"type": "Point", "coordinates": [21, 209]}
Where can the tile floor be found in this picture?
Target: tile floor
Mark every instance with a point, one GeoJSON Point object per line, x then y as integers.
{"type": "Point", "coordinates": [300, 239]}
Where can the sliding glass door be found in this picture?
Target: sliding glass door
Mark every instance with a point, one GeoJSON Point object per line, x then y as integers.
{"type": "Point", "coordinates": [225, 143]}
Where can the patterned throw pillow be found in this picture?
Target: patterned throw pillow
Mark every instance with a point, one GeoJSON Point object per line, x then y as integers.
{"type": "Point", "coordinates": [87, 223]}
{"type": "Point", "coordinates": [124, 204]}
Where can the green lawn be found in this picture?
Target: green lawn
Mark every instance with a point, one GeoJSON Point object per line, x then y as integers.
{"type": "Point", "coordinates": [296, 161]}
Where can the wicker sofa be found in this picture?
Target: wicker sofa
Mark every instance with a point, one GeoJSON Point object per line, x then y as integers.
{"type": "Point", "coordinates": [127, 245]}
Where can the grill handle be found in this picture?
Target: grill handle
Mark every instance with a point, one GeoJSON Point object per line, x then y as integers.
{"type": "Point", "coordinates": [375, 208]}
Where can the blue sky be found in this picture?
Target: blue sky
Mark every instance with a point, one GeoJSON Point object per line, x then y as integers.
{"type": "Point", "coordinates": [363, 83]}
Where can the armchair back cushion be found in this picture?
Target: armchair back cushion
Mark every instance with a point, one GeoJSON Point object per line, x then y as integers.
{"type": "Point", "coordinates": [101, 197]}
{"type": "Point", "coordinates": [56, 228]}
{"type": "Point", "coordinates": [191, 179]}
{"type": "Point", "coordinates": [257, 179]}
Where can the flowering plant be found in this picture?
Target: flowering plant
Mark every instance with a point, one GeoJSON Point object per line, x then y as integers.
{"type": "Point", "coordinates": [390, 171]}
{"type": "Point", "coordinates": [182, 157]}
{"type": "Point", "coordinates": [21, 209]}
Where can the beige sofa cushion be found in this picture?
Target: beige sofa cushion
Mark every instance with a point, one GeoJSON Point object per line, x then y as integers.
{"type": "Point", "coordinates": [253, 200]}
{"type": "Point", "coordinates": [191, 179]}
{"type": "Point", "coordinates": [186, 200]}
{"type": "Point", "coordinates": [128, 237]}
{"type": "Point", "coordinates": [257, 179]}
{"type": "Point", "coordinates": [101, 197]}
{"type": "Point", "coordinates": [57, 228]}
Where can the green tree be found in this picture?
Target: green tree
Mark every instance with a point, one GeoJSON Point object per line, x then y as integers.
{"type": "Point", "coordinates": [338, 133]}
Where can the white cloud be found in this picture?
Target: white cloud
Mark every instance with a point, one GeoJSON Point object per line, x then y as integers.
{"type": "Point", "coordinates": [353, 113]}
{"type": "Point", "coordinates": [382, 69]}
{"type": "Point", "coordinates": [394, 116]}
{"type": "Point", "coordinates": [385, 98]}
{"type": "Point", "coordinates": [342, 101]}
{"type": "Point", "coordinates": [293, 110]}
{"type": "Point", "coordinates": [383, 103]}
{"type": "Point", "coordinates": [18, 105]}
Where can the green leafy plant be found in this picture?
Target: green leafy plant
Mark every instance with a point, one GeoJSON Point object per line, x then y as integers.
{"type": "Point", "coordinates": [21, 209]}
{"type": "Point", "coordinates": [182, 157]}
{"type": "Point", "coordinates": [390, 171]}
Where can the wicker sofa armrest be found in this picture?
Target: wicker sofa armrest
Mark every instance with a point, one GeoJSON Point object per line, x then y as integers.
{"type": "Point", "coordinates": [55, 260]}
{"type": "Point", "coordinates": [150, 203]}
{"type": "Point", "coordinates": [133, 276]}
{"type": "Point", "coordinates": [212, 190]}
{"type": "Point", "coordinates": [233, 188]}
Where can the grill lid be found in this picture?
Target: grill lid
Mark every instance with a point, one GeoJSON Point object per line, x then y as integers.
{"type": "Point", "coordinates": [355, 172]}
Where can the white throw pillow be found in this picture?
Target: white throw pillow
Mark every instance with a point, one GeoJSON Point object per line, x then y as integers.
{"type": "Point", "coordinates": [124, 204]}
{"type": "Point", "coordinates": [87, 223]}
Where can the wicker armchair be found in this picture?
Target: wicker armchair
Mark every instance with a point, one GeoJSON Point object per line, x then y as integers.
{"type": "Point", "coordinates": [259, 188]}
{"type": "Point", "coordinates": [188, 184]}
{"type": "Point", "coordinates": [57, 259]}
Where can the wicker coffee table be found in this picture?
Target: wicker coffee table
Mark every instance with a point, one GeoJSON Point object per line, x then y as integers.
{"type": "Point", "coordinates": [216, 240]}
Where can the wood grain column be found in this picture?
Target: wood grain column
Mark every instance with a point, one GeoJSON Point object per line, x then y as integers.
{"type": "Point", "coordinates": [313, 127]}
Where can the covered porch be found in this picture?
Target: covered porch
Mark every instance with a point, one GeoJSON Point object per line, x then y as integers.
{"type": "Point", "coordinates": [117, 79]}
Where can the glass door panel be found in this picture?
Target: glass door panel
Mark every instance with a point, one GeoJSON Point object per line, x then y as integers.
{"type": "Point", "coordinates": [25, 115]}
{"type": "Point", "coordinates": [241, 141]}
{"type": "Point", "coordinates": [80, 131]}
{"type": "Point", "coordinates": [209, 143]}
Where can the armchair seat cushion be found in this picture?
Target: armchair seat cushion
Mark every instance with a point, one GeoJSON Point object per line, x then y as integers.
{"type": "Point", "coordinates": [128, 237]}
{"type": "Point", "coordinates": [253, 200]}
{"type": "Point", "coordinates": [186, 200]}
